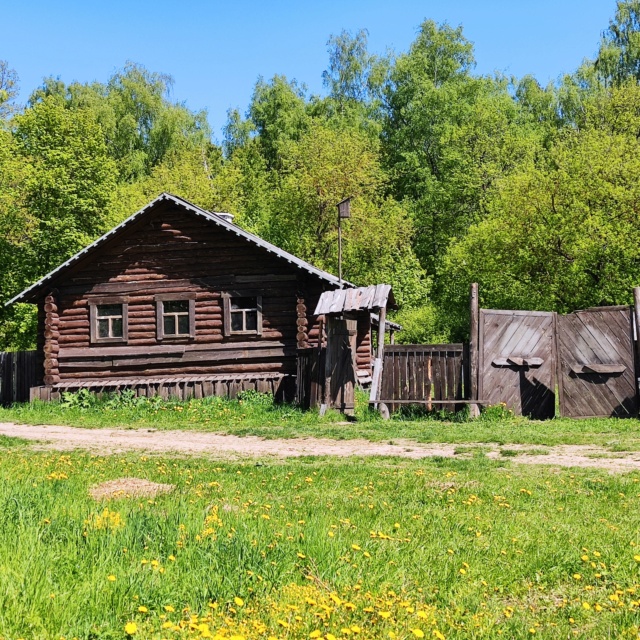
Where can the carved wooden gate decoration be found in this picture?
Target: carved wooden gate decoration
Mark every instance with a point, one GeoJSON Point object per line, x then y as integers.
{"type": "Point", "coordinates": [517, 361]}
{"type": "Point", "coordinates": [596, 374]}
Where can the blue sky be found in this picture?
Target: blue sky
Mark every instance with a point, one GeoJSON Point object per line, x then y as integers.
{"type": "Point", "coordinates": [216, 50]}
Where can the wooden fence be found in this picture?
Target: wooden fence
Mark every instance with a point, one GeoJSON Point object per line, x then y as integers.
{"type": "Point", "coordinates": [18, 373]}
{"type": "Point", "coordinates": [431, 375]}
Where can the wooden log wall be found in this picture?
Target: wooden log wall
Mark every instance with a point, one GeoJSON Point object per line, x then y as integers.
{"type": "Point", "coordinates": [51, 340]}
{"type": "Point", "coordinates": [174, 252]}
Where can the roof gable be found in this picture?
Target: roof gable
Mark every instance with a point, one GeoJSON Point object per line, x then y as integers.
{"type": "Point", "coordinates": [32, 292]}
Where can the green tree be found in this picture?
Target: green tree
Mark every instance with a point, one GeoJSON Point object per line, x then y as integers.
{"type": "Point", "coordinates": [618, 57]}
{"type": "Point", "coordinates": [563, 231]}
{"type": "Point", "coordinates": [8, 89]}
{"type": "Point", "coordinates": [448, 136]}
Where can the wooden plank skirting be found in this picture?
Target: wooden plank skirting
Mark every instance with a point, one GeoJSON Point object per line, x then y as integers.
{"type": "Point", "coordinates": [282, 386]}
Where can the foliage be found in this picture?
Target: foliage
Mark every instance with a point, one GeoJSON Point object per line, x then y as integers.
{"type": "Point", "coordinates": [421, 325]}
{"type": "Point", "coordinates": [562, 232]}
{"type": "Point", "coordinates": [455, 177]}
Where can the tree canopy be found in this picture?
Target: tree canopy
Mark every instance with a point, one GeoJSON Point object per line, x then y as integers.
{"type": "Point", "coordinates": [454, 176]}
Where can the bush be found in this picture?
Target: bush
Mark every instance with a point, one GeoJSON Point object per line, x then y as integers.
{"type": "Point", "coordinates": [421, 325]}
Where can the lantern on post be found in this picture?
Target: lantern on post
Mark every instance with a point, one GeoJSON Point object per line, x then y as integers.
{"type": "Point", "coordinates": [344, 211]}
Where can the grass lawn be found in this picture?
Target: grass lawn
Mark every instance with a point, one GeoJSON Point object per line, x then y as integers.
{"type": "Point", "coordinates": [310, 548]}
{"type": "Point", "coordinates": [257, 415]}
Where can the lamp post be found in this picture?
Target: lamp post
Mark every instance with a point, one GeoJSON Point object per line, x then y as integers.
{"type": "Point", "coordinates": [344, 211]}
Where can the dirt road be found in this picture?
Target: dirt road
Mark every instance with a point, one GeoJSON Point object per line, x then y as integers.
{"type": "Point", "coordinates": [112, 441]}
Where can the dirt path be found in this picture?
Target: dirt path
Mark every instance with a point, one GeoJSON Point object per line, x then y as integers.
{"type": "Point", "coordinates": [111, 441]}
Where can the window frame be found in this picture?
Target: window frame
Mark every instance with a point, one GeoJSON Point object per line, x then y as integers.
{"type": "Point", "coordinates": [160, 299]}
{"type": "Point", "coordinates": [227, 296]}
{"type": "Point", "coordinates": [94, 334]}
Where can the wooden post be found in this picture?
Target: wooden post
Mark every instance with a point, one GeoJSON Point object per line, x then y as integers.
{"type": "Point", "coordinates": [636, 301]}
{"type": "Point", "coordinates": [474, 328]}
{"type": "Point", "coordinates": [381, 329]}
{"type": "Point", "coordinates": [377, 365]}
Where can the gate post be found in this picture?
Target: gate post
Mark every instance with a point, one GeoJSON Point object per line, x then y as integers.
{"type": "Point", "coordinates": [474, 327]}
{"type": "Point", "coordinates": [636, 335]}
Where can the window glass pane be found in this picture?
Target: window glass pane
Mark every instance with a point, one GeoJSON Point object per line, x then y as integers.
{"type": "Point", "coordinates": [103, 328]}
{"type": "Point", "coordinates": [116, 328]}
{"type": "Point", "coordinates": [243, 303]}
{"type": "Point", "coordinates": [236, 321]}
{"type": "Point", "coordinates": [251, 318]}
{"type": "Point", "coordinates": [183, 324]}
{"type": "Point", "coordinates": [109, 310]}
{"type": "Point", "coordinates": [176, 306]}
{"type": "Point", "coordinates": [169, 325]}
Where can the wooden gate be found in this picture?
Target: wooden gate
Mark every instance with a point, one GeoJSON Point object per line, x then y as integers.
{"type": "Point", "coordinates": [340, 364]}
{"type": "Point", "coordinates": [517, 361]}
{"type": "Point", "coordinates": [423, 374]}
{"type": "Point", "coordinates": [596, 372]}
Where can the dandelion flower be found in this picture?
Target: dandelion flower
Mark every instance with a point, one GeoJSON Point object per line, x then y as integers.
{"type": "Point", "coordinates": [111, 578]}
{"type": "Point", "coordinates": [418, 633]}
{"type": "Point", "coordinates": [143, 609]}
{"type": "Point", "coordinates": [238, 601]}
{"type": "Point", "coordinates": [130, 628]}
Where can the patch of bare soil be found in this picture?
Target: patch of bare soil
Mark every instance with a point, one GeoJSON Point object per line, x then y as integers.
{"type": "Point", "coordinates": [128, 488]}
{"type": "Point", "coordinates": [112, 441]}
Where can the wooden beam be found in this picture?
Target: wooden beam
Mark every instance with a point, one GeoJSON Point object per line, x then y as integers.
{"type": "Point", "coordinates": [636, 310]}
{"type": "Point", "coordinates": [474, 326]}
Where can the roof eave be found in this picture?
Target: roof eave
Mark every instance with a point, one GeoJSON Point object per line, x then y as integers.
{"type": "Point", "coordinates": [31, 293]}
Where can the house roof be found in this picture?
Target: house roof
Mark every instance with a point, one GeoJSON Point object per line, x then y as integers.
{"type": "Point", "coordinates": [376, 296]}
{"type": "Point", "coordinates": [29, 293]}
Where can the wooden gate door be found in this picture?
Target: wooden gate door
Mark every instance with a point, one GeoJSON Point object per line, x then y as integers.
{"type": "Point", "coordinates": [596, 363]}
{"type": "Point", "coordinates": [517, 361]}
{"type": "Point", "coordinates": [340, 363]}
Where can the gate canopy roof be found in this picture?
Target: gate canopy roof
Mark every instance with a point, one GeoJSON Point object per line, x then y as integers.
{"type": "Point", "coordinates": [377, 296]}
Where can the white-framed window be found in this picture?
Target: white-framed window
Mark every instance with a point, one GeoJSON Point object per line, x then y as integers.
{"type": "Point", "coordinates": [242, 313]}
{"type": "Point", "coordinates": [175, 316]}
{"type": "Point", "coordinates": [108, 319]}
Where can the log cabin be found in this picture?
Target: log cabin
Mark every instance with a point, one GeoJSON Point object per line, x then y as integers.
{"type": "Point", "coordinates": [179, 301]}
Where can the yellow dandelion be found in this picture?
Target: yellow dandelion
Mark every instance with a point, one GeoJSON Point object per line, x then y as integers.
{"type": "Point", "coordinates": [577, 576]}
{"type": "Point", "coordinates": [438, 634]}
{"type": "Point", "coordinates": [111, 578]}
{"type": "Point", "coordinates": [238, 601]}
{"type": "Point", "coordinates": [418, 633]}
{"type": "Point", "coordinates": [143, 609]}
{"type": "Point", "coordinates": [301, 555]}
{"type": "Point", "coordinates": [586, 605]}
{"type": "Point", "coordinates": [130, 628]}
{"type": "Point", "coordinates": [385, 615]}
{"type": "Point", "coordinates": [168, 608]}
{"type": "Point", "coordinates": [315, 634]}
